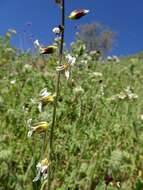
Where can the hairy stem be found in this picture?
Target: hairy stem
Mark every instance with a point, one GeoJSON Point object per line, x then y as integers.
{"type": "Point", "coordinates": [57, 94]}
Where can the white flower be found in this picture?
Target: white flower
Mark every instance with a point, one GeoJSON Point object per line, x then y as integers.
{"type": "Point", "coordinates": [121, 96]}
{"type": "Point", "coordinates": [56, 30]}
{"type": "Point", "coordinates": [79, 90]}
{"type": "Point", "coordinates": [27, 67]}
{"type": "Point", "coordinates": [66, 67]}
{"type": "Point", "coordinates": [12, 31]}
{"type": "Point", "coordinates": [109, 58]}
{"type": "Point", "coordinates": [37, 44]}
{"type": "Point", "coordinates": [44, 92]}
{"type": "Point", "coordinates": [86, 11]}
{"type": "Point", "coordinates": [102, 90]}
{"type": "Point", "coordinates": [141, 117]}
{"type": "Point", "coordinates": [113, 58]}
{"type": "Point", "coordinates": [42, 168]}
{"type": "Point", "coordinates": [84, 62]}
{"type": "Point", "coordinates": [12, 81]}
{"type": "Point", "coordinates": [45, 98]}
{"type": "Point", "coordinates": [70, 59]}
{"type": "Point", "coordinates": [130, 95]}
{"type": "Point", "coordinates": [97, 74]}
{"type": "Point", "coordinates": [116, 59]}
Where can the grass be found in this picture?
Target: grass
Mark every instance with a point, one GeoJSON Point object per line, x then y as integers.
{"type": "Point", "coordinates": [95, 137]}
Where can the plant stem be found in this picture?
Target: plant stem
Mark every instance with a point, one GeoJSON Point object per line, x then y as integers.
{"type": "Point", "coordinates": [106, 187]}
{"type": "Point", "coordinates": [43, 185]}
{"type": "Point", "coordinates": [57, 93]}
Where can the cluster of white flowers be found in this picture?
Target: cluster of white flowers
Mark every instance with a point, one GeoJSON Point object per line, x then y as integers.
{"type": "Point", "coordinates": [130, 95]}
{"type": "Point", "coordinates": [125, 94]}
{"type": "Point", "coordinates": [27, 67]}
{"type": "Point", "coordinates": [84, 62]}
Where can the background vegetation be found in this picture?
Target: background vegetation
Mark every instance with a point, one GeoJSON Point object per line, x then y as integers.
{"type": "Point", "coordinates": [99, 137]}
{"type": "Point", "coordinates": [96, 36]}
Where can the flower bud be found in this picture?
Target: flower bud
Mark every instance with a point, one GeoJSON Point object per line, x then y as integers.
{"type": "Point", "coordinates": [39, 127]}
{"type": "Point", "coordinates": [77, 14]}
{"type": "Point", "coordinates": [56, 30]}
{"type": "Point", "coordinates": [48, 50]}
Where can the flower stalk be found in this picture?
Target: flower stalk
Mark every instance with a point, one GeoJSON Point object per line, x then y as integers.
{"type": "Point", "coordinates": [45, 168]}
{"type": "Point", "coordinates": [50, 150]}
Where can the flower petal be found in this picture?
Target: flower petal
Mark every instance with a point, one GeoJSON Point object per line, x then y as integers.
{"type": "Point", "coordinates": [60, 68]}
{"type": "Point", "coordinates": [43, 92]}
{"type": "Point", "coordinates": [56, 30]}
{"type": "Point", "coordinates": [67, 74]}
{"type": "Point", "coordinates": [40, 107]}
{"type": "Point", "coordinates": [30, 133]}
{"type": "Point", "coordinates": [37, 177]}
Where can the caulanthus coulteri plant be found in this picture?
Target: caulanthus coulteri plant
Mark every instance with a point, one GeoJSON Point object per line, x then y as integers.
{"type": "Point", "coordinates": [45, 166]}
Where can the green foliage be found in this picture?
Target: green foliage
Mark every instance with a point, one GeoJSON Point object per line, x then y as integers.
{"type": "Point", "coordinates": [95, 135]}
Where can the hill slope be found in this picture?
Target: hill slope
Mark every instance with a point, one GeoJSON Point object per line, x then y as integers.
{"type": "Point", "coordinates": [99, 132]}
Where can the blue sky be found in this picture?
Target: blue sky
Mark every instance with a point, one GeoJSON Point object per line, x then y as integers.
{"type": "Point", "coordinates": [122, 16]}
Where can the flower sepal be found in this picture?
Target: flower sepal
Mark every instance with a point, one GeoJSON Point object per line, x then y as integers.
{"type": "Point", "coordinates": [39, 127]}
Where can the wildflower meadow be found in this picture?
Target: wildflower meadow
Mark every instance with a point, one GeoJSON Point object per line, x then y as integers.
{"type": "Point", "coordinates": [69, 120]}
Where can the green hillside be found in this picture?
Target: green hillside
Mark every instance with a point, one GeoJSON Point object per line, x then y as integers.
{"type": "Point", "coordinates": [98, 140]}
